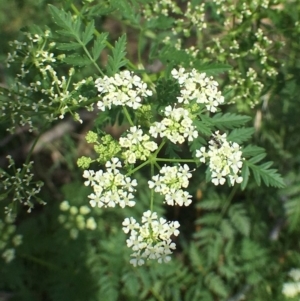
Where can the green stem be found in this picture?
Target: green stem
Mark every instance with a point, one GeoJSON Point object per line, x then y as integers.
{"type": "Point", "coordinates": [229, 199]}
{"type": "Point", "coordinates": [157, 166]}
{"type": "Point", "coordinates": [128, 116]}
{"type": "Point", "coordinates": [41, 262]}
{"type": "Point", "coordinates": [159, 148]}
{"type": "Point", "coordinates": [138, 168]}
{"type": "Point", "coordinates": [90, 57]}
{"type": "Point", "coordinates": [77, 12]}
{"type": "Point", "coordinates": [31, 149]}
{"type": "Point", "coordinates": [176, 160]}
{"type": "Point", "coordinates": [152, 190]}
{"type": "Point", "coordinates": [139, 48]}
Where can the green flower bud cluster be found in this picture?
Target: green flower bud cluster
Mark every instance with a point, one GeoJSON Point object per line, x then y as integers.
{"type": "Point", "coordinates": [84, 162]}
{"type": "Point", "coordinates": [8, 239]}
{"type": "Point", "coordinates": [106, 149]}
{"type": "Point", "coordinates": [144, 115]}
{"type": "Point", "coordinates": [76, 219]}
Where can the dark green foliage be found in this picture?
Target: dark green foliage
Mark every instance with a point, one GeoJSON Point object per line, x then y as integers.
{"type": "Point", "coordinates": [167, 90]}
{"type": "Point", "coordinates": [225, 247]}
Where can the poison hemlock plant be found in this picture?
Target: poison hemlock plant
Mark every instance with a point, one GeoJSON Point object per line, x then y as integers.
{"type": "Point", "coordinates": [194, 117]}
{"type": "Point", "coordinates": [173, 126]}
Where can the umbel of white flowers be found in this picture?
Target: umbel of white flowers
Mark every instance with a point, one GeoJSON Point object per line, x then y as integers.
{"type": "Point", "coordinates": [152, 239]}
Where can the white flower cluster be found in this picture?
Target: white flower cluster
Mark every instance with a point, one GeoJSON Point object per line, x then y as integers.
{"type": "Point", "coordinates": [176, 126]}
{"type": "Point", "coordinates": [151, 240]}
{"type": "Point", "coordinates": [111, 188]}
{"type": "Point", "coordinates": [170, 182]}
{"type": "Point", "coordinates": [123, 89]}
{"type": "Point", "coordinates": [225, 159]}
{"type": "Point", "coordinates": [139, 146]}
{"type": "Point", "coordinates": [198, 86]}
{"type": "Point", "coordinates": [292, 289]}
{"type": "Point", "coordinates": [76, 219]}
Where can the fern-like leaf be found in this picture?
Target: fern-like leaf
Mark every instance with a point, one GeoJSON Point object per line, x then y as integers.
{"type": "Point", "coordinates": [214, 202]}
{"type": "Point", "coordinates": [77, 60]}
{"type": "Point", "coordinates": [212, 69]}
{"type": "Point", "coordinates": [239, 219]}
{"type": "Point", "coordinates": [263, 172]}
{"type": "Point", "coordinates": [117, 60]}
{"type": "Point", "coordinates": [87, 35]}
{"type": "Point", "coordinates": [216, 284]}
{"type": "Point", "coordinates": [252, 150]}
{"type": "Point", "coordinates": [64, 20]}
{"type": "Point", "coordinates": [209, 219]}
{"type": "Point", "coordinates": [240, 135]}
{"type": "Point", "coordinates": [226, 229]}
{"type": "Point", "coordinates": [229, 120]}
{"type": "Point", "coordinates": [68, 46]}
{"type": "Point", "coordinates": [204, 125]}
{"type": "Point", "coordinates": [292, 210]}
{"type": "Point", "coordinates": [245, 174]}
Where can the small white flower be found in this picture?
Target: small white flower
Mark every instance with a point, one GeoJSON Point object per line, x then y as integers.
{"type": "Point", "coordinates": [218, 178]}
{"type": "Point", "coordinates": [95, 200]}
{"type": "Point", "coordinates": [180, 75]}
{"type": "Point", "coordinates": [89, 175]}
{"type": "Point", "coordinates": [129, 224]}
{"type": "Point", "coordinates": [113, 165]}
{"type": "Point", "coordinates": [137, 259]}
{"type": "Point", "coordinates": [235, 178]}
{"type": "Point", "coordinates": [202, 154]}
{"type": "Point", "coordinates": [131, 158]}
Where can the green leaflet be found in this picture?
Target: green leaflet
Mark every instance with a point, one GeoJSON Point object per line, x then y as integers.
{"type": "Point", "coordinates": [64, 20]}
{"type": "Point", "coordinates": [212, 69]}
{"type": "Point", "coordinates": [117, 59]}
{"type": "Point", "coordinates": [87, 34]}
{"type": "Point", "coordinates": [229, 120]}
{"type": "Point", "coordinates": [99, 45]}
{"type": "Point", "coordinates": [263, 172]}
{"type": "Point", "coordinates": [77, 60]}
{"type": "Point", "coordinates": [240, 135]}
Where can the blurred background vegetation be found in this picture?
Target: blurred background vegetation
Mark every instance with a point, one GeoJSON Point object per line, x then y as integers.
{"type": "Point", "coordinates": [234, 244]}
